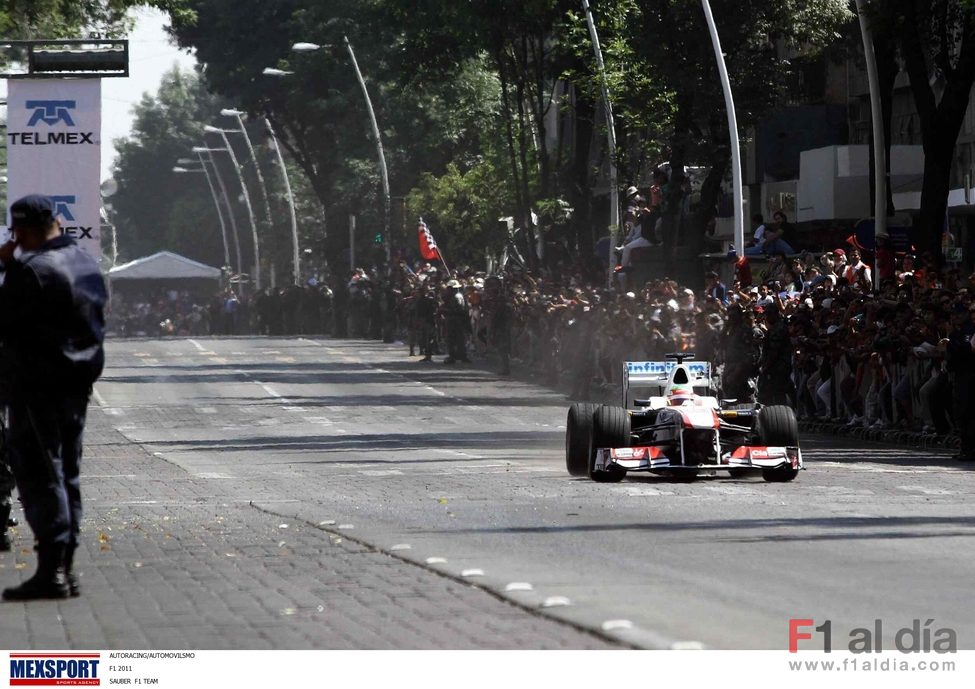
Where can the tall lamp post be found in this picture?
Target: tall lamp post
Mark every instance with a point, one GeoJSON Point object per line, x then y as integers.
{"type": "Point", "coordinates": [232, 112]}
{"type": "Point", "coordinates": [180, 168]}
{"type": "Point", "coordinates": [200, 150]}
{"type": "Point", "coordinates": [614, 200]}
{"type": "Point", "coordinates": [247, 201]}
{"type": "Point", "coordinates": [729, 102]}
{"type": "Point", "coordinates": [879, 142]}
{"type": "Point", "coordinates": [310, 47]}
{"type": "Point", "coordinates": [291, 202]}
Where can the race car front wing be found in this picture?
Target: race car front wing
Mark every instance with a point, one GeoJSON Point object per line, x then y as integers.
{"type": "Point", "coordinates": [653, 458]}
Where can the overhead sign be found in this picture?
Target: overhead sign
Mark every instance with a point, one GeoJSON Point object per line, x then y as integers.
{"type": "Point", "coordinates": [54, 148]}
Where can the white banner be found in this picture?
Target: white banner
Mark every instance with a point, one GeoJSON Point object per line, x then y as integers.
{"type": "Point", "coordinates": [54, 148]}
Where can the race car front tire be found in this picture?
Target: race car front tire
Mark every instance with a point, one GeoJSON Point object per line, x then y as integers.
{"type": "Point", "coordinates": [611, 428]}
{"type": "Point", "coordinates": [777, 427]}
{"type": "Point", "coordinates": [578, 438]}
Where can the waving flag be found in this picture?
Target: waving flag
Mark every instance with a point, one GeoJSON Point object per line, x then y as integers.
{"type": "Point", "coordinates": [428, 247]}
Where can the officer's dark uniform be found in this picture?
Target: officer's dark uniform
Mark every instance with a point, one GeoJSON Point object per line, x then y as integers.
{"type": "Point", "coordinates": [775, 376]}
{"type": "Point", "coordinates": [52, 326]}
{"type": "Point", "coordinates": [961, 369]}
{"type": "Point", "coordinates": [458, 324]}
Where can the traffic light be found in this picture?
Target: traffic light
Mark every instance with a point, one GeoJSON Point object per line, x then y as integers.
{"type": "Point", "coordinates": [378, 239]}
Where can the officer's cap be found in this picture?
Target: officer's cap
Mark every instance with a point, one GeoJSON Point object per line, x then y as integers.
{"type": "Point", "coordinates": [34, 210]}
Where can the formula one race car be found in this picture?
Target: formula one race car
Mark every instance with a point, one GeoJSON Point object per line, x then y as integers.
{"type": "Point", "coordinates": [681, 430]}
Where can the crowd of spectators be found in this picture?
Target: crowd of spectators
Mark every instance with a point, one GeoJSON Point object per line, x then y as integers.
{"type": "Point", "coordinates": [808, 330]}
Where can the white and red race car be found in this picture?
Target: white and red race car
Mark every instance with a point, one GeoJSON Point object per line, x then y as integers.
{"type": "Point", "coordinates": [681, 430]}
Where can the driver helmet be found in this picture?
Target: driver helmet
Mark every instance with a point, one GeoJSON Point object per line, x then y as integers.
{"type": "Point", "coordinates": [682, 391]}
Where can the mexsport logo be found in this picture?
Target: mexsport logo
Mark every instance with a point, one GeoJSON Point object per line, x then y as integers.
{"type": "Point", "coordinates": [62, 670]}
{"type": "Point", "coordinates": [51, 112]}
{"type": "Point", "coordinates": [62, 207]}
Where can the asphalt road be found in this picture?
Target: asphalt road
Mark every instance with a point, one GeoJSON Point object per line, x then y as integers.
{"type": "Point", "coordinates": [468, 469]}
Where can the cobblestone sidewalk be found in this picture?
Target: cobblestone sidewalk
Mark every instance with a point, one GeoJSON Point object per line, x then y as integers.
{"type": "Point", "coordinates": [174, 561]}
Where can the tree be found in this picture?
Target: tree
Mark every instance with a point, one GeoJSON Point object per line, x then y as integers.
{"type": "Point", "coordinates": [319, 111]}
{"type": "Point", "coordinates": [155, 209]}
{"type": "Point", "coordinates": [667, 45]}
{"type": "Point", "coordinates": [937, 43]}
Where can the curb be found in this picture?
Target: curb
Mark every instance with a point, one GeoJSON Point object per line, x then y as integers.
{"type": "Point", "coordinates": [893, 436]}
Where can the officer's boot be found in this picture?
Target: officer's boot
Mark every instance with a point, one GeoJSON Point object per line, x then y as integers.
{"type": "Point", "coordinates": [4, 519]}
{"type": "Point", "coordinates": [48, 581]}
{"type": "Point", "coordinates": [74, 588]}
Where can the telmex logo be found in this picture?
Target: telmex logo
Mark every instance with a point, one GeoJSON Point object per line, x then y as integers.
{"type": "Point", "coordinates": [62, 206]}
{"type": "Point", "coordinates": [39, 669]}
{"type": "Point", "coordinates": [51, 112]}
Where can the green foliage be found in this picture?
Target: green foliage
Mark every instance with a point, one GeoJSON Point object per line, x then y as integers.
{"type": "Point", "coordinates": [463, 208]}
{"type": "Point", "coordinates": [154, 208]}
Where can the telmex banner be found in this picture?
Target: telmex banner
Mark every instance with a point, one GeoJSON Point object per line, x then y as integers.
{"type": "Point", "coordinates": [54, 148]}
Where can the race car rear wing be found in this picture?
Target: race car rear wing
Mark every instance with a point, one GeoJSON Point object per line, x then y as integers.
{"type": "Point", "coordinates": [652, 377]}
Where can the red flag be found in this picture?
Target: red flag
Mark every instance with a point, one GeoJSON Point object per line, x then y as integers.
{"type": "Point", "coordinates": [428, 247]}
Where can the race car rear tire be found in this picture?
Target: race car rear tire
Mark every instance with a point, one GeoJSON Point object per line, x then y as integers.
{"type": "Point", "coordinates": [777, 427]}
{"type": "Point", "coordinates": [611, 428]}
{"type": "Point", "coordinates": [578, 438]}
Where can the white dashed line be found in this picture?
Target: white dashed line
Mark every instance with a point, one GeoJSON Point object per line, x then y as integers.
{"type": "Point", "coordinates": [472, 573]}
{"type": "Point", "coordinates": [556, 602]}
{"type": "Point", "coordinates": [269, 390]}
{"type": "Point", "coordinates": [436, 560]}
{"type": "Point", "coordinates": [518, 586]}
{"type": "Point", "coordinates": [687, 646]}
{"type": "Point", "coordinates": [401, 546]}
{"type": "Point", "coordinates": [613, 625]}
{"type": "Point", "coordinates": [197, 345]}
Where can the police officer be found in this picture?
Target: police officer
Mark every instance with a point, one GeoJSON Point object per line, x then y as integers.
{"type": "Point", "coordinates": [6, 489]}
{"type": "Point", "coordinates": [52, 326]}
{"type": "Point", "coordinates": [742, 351]}
{"type": "Point", "coordinates": [458, 323]}
{"type": "Point", "coordinates": [775, 367]}
{"type": "Point", "coordinates": [960, 360]}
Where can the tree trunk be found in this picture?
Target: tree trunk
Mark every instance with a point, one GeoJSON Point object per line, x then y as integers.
{"type": "Point", "coordinates": [941, 120]}
{"type": "Point", "coordinates": [580, 186]}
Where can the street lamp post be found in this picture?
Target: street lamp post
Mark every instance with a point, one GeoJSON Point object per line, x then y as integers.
{"type": "Point", "coordinates": [729, 102]}
{"type": "Point", "coordinates": [614, 201]}
{"type": "Point", "coordinates": [200, 150]}
{"type": "Point", "coordinates": [231, 112]}
{"type": "Point", "coordinates": [879, 141]}
{"type": "Point", "coordinates": [291, 202]}
{"type": "Point", "coordinates": [247, 201]}
{"type": "Point", "coordinates": [216, 201]}
{"type": "Point", "coordinates": [308, 47]}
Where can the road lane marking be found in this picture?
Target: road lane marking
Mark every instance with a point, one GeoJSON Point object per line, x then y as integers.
{"type": "Point", "coordinates": [519, 586]}
{"type": "Point", "coordinates": [613, 625]}
{"type": "Point", "coordinates": [271, 391]}
{"type": "Point", "coordinates": [99, 400]}
{"type": "Point", "coordinates": [927, 491]}
{"type": "Point", "coordinates": [473, 572]}
{"type": "Point", "coordinates": [644, 491]}
{"type": "Point", "coordinates": [436, 560]}
{"type": "Point", "coordinates": [197, 345]}
{"type": "Point", "coordinates": [556, 602]}
{"type": "Point", "coordinates": [381, 472]}
{"type": "Point", "coordinates": [401, 546]}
